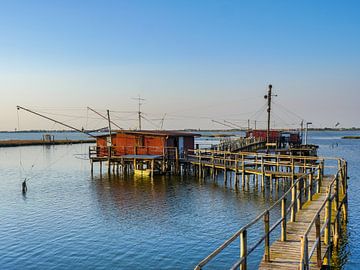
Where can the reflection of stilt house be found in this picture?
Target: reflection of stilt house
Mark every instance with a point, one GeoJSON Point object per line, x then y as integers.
{"type": "Point", "coordinates": [143, 152]}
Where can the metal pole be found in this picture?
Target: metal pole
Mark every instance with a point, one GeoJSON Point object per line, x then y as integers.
{"type": "Point", "coordinates": [268, 120]}
{"type": "Point", "coordinates": [107, 118]}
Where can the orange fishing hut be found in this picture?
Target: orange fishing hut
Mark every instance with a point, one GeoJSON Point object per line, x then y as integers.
{"type": "Point", "coordinates": [145, 143]}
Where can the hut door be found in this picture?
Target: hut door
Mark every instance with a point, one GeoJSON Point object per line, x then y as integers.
{"type": "Point", "coordinates": [108, 141]}
{"type": "Point", "coordinates": [181, 147]}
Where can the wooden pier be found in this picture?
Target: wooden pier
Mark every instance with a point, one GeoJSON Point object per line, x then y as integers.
{"type": "Point", "coordinates": [311, 211]}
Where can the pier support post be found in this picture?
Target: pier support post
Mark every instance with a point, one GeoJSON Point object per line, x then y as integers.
{"type": "Point", "coordinates": [262, 173]}
{"type": "Point", "coordinates": [327, 233]}
{"type": "Point", "coordinates": [283, 216]}
{"type": "Point", "coordinates": [243, 170]}
{"type": "Point", "coordinates": [298, 194]}
{"type": "Point", "coordinates": [337, 216]}
{"type": "Point", "coordinates": [304, 259]}
{"type": "Point", "coordinates": [293, 203]}
{"type": "Point", "coordinates": [109, 159]}
{"type": "Point", "coordinates": [243, 250]}
{"type": "Point", "coordinates": [318, 246]}
{"type": "Point", "coordinates": [310, 187]}
{"type": "Point", "coordinates": [267, 236]}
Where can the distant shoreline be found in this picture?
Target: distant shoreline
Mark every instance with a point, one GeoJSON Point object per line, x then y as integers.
{"type": "Point", "coordinates": [14, 143]}
{"type": "Point", "coordinates": [189, 130]}
{"type": "Point", "coordinates": [351, 137]}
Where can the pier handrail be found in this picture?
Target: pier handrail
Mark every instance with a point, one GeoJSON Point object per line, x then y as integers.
{"type": "Point", "coordinates": [248, 159]}
{"type": "Point", "coordinates": [103, 151]}
{"type": "Point", "coordinates": [332, 204]}
{"type": "Point", "coordinates": [297, 190]}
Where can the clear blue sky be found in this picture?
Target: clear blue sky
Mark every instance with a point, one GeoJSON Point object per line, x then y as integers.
{"type": "Point", "coordinates": [194, 60]}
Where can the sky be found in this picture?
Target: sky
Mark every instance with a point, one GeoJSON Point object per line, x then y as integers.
{"type": "Point", "coordinates": [192, 61]}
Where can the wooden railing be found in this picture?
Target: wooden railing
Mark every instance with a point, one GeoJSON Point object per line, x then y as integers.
{"type": "Point", "coordinates": [242, 160]}
{"type": "Point", "coordinates": [335, 202]}
{"type": "Point", "coordinates": [301, 190]}
{"type": "Point", "coordinates": [117, 151]}
{"type": "Point", "coordinates": [237, 143]}
{"type": "Point", "coordinates": [297, 191]}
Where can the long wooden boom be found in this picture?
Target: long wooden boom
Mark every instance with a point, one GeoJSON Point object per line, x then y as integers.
{"type": "Point", "coordinates": [54, 120]}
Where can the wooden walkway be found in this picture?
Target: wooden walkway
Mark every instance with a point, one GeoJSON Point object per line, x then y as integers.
{"type": "Point", "coordinates": [310, 223]}
{"type": "Point", "coordinates": [287, 254]}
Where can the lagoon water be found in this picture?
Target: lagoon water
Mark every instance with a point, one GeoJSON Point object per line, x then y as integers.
{"type": "Point", "coordinates": [71, 220]}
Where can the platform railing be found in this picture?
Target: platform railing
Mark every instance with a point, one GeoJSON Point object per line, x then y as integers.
{"type": "Point", "coordinates": [302, 189]}
{"type": "Point", "coordinates": [334, 204]}
{"type": "Point", "coordinates": [246, 160]}
{"type": "Point", "coordinates": [303, 185]}
{"type": "Point", "coordinates": [118, 151]}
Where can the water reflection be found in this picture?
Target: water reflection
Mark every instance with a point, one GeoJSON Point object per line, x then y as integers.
{"type": "Point", "coordinates": [68, 220]}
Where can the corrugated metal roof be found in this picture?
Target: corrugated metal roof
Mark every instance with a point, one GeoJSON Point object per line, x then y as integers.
{"type": "Point", "coordinates": [142, 156]}
{"type": "Point", "coordinates": [102, 134]}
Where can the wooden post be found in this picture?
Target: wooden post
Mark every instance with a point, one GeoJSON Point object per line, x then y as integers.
{"type": "Point", "coordinates": [341, 176]}
{"type": "Point", "coordinates": [283, 216]}
{"type": "Point", "coordinates": [109, 158]}
{"type": "Point", "coordinates": [177, 161]}
{"type": "Point", "coordinates": [327, 233]}
{"type": "Point", "coordinates": [336, 206]}
{"type": "Point", "coordinates": [293, 202]}
{"type": "Point", "coordinates": [298, 194]}
{"type": "Point", "coordinates": [267, 236]}
{"type": "Point", "coordinates": [345, 199]}
{"type": "Point", "coordinates": [344, 209]}
{"type": "Point", "coordinates": [152, 167]}
{"type": "Point", "coordinates": [243, 249]}
{"type": "Point", "coordinates": [243, 170]}
{"type": "Point", "coordinates": [213, 165]}
{"type": "Point", "coordinates": [262, 173]}
{"type": "Point", "coordinates": [310, 188]}
{"type": "Point", "coordinates": [292, 171]}
{"type": "Point", "coordinates": [236, 172]}
{"type": "Point", "coordinates": [318, 246]}
{"type": "Point", "coordinates": [304, 256]}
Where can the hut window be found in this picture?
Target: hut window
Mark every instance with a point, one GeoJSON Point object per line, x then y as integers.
{"type": "Point", "coordinates": [141, 141]}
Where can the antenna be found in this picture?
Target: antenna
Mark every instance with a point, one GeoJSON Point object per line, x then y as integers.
{"type": "Point", "coordinates": [139, 99]}
{"type": "Point", "coordinates": [162, 122]}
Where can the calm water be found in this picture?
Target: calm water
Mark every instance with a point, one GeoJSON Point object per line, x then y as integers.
{"type": "Point", "coordinates": [70, 220]}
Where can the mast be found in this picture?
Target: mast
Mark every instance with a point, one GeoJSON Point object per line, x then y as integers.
{"type": "Point", "coordinates": [139, 110]}
{"type": "Point", "coordinates": [268, 97]}
{"type": "Point", "coordinates": [109, 122]}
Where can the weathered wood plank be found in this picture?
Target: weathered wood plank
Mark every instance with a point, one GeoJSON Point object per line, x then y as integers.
{"type": "Point", "coordinates": [286, 254]}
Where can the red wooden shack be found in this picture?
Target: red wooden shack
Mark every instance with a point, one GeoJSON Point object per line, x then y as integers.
{"type": "Point", "coordinates": [280, 137]}
{"type": "Point", "coordinates": [145, 142]}
{"type": "Point", "coordinates": [274, 135]}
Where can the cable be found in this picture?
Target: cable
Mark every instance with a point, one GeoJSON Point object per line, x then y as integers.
{"type": "Point", "coordinates": [289, 111]}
